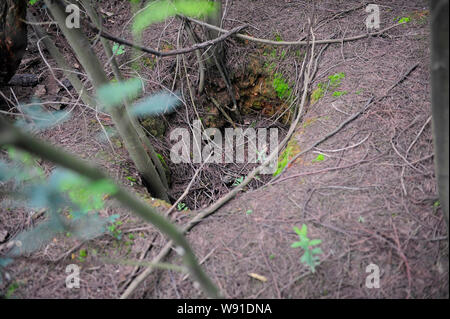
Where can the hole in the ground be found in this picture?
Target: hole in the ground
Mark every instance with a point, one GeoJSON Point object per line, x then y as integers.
{"type": "Point", "coordinates": [262, 105]}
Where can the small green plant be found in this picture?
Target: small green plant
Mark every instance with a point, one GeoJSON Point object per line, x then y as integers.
{"type": "Point", "coordinates": [118, 49]}
{"type": "Point", "coordinates": [270, 66]}
{"type": "Point", "coordinates": [402, 19]}
{"type": "Point", "coordinates": [318, 93]}
{"type": "Point", "coordinates": [273, 53]}
{"type": "Point", "coordinates": [249, 212]}
{"type": "Point", "coordinates": [281, 87]}
{"type": "Point", "coordinates": [182, 206]}
{"type": "Point", "coordinates": [149, 62]}
{"type": "Point", "coordinates": [436, 205]}
{"type": "Point", "coordinates": [278, 37]}
{"type": "Point", "coordinates": [309, 257]}
{"type": "Point", "coordinates": [339, 93]}
{"type": "Point", "coordinates": [334, 81]}
{"type": "Point", "coordinates": [82, 255]}
{"type": "Point", "coordinates": [132, 180]}
{"type": "Point", "coordinates": [238, 181]}
{"type": "Point", "coordinates": [283, 161]}
{"type": "Point", "coordinates": [161, 158]}
{"type": "Point", "coordinates": [11, 289]}
{"type": "Point", "coordinates": [33, 2]}
{"type": "Point", "coordinates": [114, 230]}
{"type": "Point", "coordinates": [89, 196]}
{"type": "Point", "coordinates": [319, 158]}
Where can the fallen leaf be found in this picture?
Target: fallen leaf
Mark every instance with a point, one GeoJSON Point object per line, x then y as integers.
{"type": "Point", "coordinates": [258, 277]}
{"type": "Point", "coordinates": [40, 90]}
{"type": "Point", "coordinates": [109, 14]}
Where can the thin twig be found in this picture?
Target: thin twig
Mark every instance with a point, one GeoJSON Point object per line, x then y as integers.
{"type": "Point", "coordinates": [195, 47]}
{"type": "Point", "coordinates": [271, 42]}
{"type": "Point", "coordinates": [186, 191]}
{"type": "Point", "coordinates": [369, 102]}
{"type": "Point", "coordinates": [327, 136]}
{"type": "Point", "coordinates": [403, 257]}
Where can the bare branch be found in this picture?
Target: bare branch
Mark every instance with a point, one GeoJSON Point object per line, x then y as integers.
{"type": "Point", "coordinates": [197, 46]}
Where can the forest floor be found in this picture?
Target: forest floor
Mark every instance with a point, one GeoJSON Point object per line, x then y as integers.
{"type": "Point", "coordinates": [371, 197]}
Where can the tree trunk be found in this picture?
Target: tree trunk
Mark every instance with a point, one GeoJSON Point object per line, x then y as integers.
{"type": "Point", "coordinates": [439, 98]}
{"type": "Point", "coordinates": [215, 19]}
{"type": "Point", "coordinates": [116, 71]}
{"type": "Point", "coordinates": [216, 57]}
{"type": "Point", "coordinates": [13, 37]}
{"type": "Point", "coordinates": [120, 117]}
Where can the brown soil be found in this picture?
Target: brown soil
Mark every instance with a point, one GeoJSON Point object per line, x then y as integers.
{"type": "Point", "coordinates": [363, 201]}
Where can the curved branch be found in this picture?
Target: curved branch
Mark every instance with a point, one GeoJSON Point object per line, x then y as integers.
{"type": "Point", "coordinates": [172, 52]}
{"type": "Point", "coordinates": [9, 134]}
{"type": "Point", "coordinates": [265, 41]}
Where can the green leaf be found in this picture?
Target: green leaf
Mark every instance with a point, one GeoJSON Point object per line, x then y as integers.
{"type": "Point", "coordinates": [304, 231]}
{"type": "Point", "coordinates": [182, 206]}
{"type": "Point", "coordinates": [31, 240]}
{"type": "Point", "coordinates": [113, 94]}
{"type": "Point", "coordinates": [7, 171]}
{"type": "Point", "coordinates": [282, 164]}
{"type": "Point", "coordinates": [37, 118]}
{"type": "Point", "coordinates": [87, 195]}
{"type": "Point", "coordinates": [238, 181]}
{"type": "Point", "coordinates": [281, 86]}
{"type": "Point", "coordinates": [296, 244]}
{"type": "Point", "coordinates": [339, 93]}
{"type": "Point", "coordinates": [161, 10]}
{"type": "Point", "coordinates": [113, 218]}
{"type": "Point", "coordinates": [278, 37]}
{"type": "Point", "coordinates": [316, 251]}
{"type": "Point", "coordinates": [315, 242]}
{"type": "Point", "coordinates": [156, 104]}
{"type": "Point", "coordinates": [319, 158]}
{"type": "Point", "coordinates": [89, 227]}
{"type": "Point", "coordinates": [118, 49]}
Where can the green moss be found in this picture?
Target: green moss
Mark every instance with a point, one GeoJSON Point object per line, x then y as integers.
{"type": "Point", "coordinates": [155, 126]}
{"type": "Point", "coordinates": [278, 37]}
{"type": "Point", "coordinates": [281, 86]}
{"type": "Point", "coordinates": [334, 81]}
{"type": "Point", "coordinates": [291, 150]}
{"type": "Point", "coordinates": [339, 93]}
{"type": "Point", "coordinates": [149, 62]}
{"type": "Point", "coordinates": [317, 94]}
